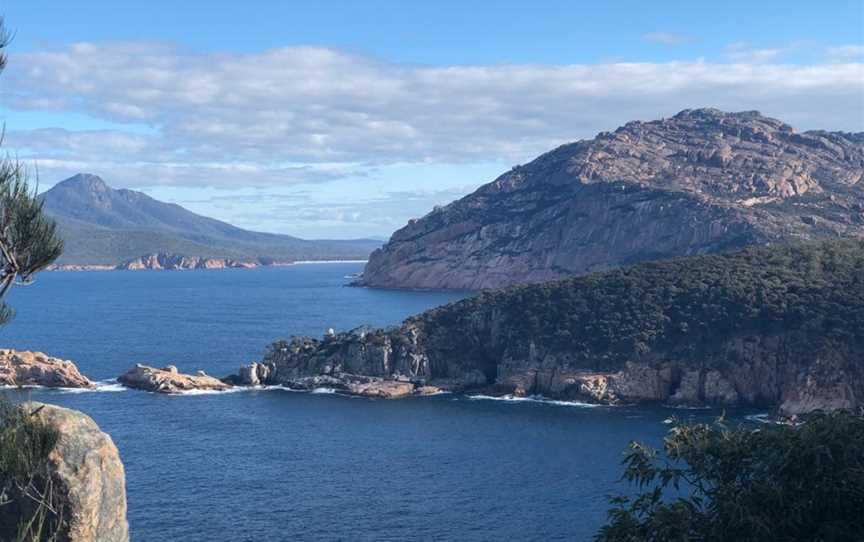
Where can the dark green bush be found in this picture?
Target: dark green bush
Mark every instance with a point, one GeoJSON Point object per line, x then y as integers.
{"type": "Point", "coordinates": [773, 483]}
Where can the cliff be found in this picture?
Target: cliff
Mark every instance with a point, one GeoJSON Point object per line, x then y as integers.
{"type": "Point", "coordinates": [779, 326]}
{"type": "Point", "coordinates": [81, 480]}
{"type": "Point", "coordinates": [702, 181]}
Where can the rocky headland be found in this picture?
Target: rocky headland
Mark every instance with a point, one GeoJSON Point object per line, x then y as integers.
{"type": "Point", "coordinates": [702, 181]}
{"type": "Point", "coordinates": [87, 497]}
{"type": "Point", "coordinates": [169, 380]}
{"type": "Point", "coordinates": [23, 368]}
{"type": "Point", "coordinates": [779, 327]}
{"type": "Point", "coordinates": [164, 261]}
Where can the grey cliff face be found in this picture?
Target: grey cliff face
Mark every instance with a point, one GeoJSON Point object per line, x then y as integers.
{"type": "Point", "coordinates": [781, 371]}
{"type": "Point", "coordinates": [702, 181]}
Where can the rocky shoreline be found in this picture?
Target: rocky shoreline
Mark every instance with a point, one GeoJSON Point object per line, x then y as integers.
{"type": "Point", "coordinates": [176, 262]}
{"type": "Point", "coordinates": [291, 365]}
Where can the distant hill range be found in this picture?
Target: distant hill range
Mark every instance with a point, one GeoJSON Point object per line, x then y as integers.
{"type": "Point", "coordinates": [103, 226]}
{"type": "Point", "coordinates": [702, 181]}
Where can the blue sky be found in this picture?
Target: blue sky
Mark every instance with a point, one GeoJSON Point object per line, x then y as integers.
{"type": "Point", "coordinates": [345, 119]}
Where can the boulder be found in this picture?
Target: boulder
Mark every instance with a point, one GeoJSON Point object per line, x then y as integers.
{"type": "Point", "coordinates": [168, 380]}
{"type": "Point", "coordinates": [384, 389]}
{"type": "Point", "coordinates": [88, 481]}
{"type": "Point", "coordinates": [23, 368]}
{"type": "Point", "coordinates": [427, 390]}
{"type": "Point", "coordinates": [254, 374]}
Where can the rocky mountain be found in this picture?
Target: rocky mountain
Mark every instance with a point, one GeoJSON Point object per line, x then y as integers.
{"type": "Point", "coordinates": [103, 225]}
{"type": "Point", "coordinates": [779, 327]}
{"type": "Point", "coordinates": [702, 181]}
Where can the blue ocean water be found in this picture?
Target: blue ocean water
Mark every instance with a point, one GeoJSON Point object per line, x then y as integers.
{"type": "Point", "coordinates": [279, 465]}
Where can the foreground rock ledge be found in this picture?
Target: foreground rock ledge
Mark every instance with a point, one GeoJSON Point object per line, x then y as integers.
{"type": "Point", "coordinates": [23, 368]}
{"type": "Point", "coordinates": [89, 480]}
{"type": "Point", "coordinates": [169, 380]}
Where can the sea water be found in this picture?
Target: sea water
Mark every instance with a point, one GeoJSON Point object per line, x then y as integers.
{"type": "Point", "coordinates": [281, 465]}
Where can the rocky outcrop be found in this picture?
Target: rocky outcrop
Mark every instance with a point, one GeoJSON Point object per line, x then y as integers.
{"type": "Point", "coordinates": [778, 327]}
{"type": "Point", "coordinates": [165, 261]}
{"type": "Point", "coordinates": [23, 368]}
{"type": "Point", "coordinates": [80, 267]}
{"type": "Point", "coordinates": [169, 380]}
{"type": "Point", "coordinates": [87, 480]}
{"type": "Point", "coordinates": [702, 181]}
{"type": "Point", "coordinates": [394, 386]}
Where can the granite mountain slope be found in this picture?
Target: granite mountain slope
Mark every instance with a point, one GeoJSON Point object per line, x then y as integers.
{"type": "Point", "coordinates": [702, 181]}
{"type": "Point", "coordinates": [103, 225]}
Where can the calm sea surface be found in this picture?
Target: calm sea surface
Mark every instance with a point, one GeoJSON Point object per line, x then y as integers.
{"type": "Point", "coordinates": [278, 465]}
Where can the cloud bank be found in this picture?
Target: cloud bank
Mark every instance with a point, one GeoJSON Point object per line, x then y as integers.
{"type": "Point", "coordinates": [309, 114]}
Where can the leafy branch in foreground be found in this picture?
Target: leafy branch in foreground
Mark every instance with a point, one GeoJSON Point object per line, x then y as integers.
{"type": "Point", "coordinates": [776, 482]}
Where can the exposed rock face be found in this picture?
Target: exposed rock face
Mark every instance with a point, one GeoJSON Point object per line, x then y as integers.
{"type": "Point", "coordinates": [22, 368]}
{"type": "Point", "coordinates": [88, 478]}
{"type": "Point", "coordinates": [702, 181]}
{"type": "Point", "coordinates": [162, 261]}
{"type": "Point", "coordinates": [776, 327]}
{"type": "Point", "coordinates": [169, 380]}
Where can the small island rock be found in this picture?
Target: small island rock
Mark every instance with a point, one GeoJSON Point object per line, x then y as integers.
{"type": "Point", "coordinates": [168, 380]}
{"type": "Point", "coordinates": [23, 368]}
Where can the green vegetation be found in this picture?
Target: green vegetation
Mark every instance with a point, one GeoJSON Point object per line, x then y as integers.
{"type": "Point", "coordinates": [774, 483]}
{"type": "Point", "coordinates": [686, 305]}
{"type": "Point", "coordinates": [28, 238]}
{"type": "Point", "coordinates": [29, 510]}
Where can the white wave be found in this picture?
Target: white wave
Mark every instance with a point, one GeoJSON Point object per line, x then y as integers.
{"type": "Point", "coordinates": [760, 418]}
{"type": "Point", "coordinates": [688, 407]}
{"type": "Point", "coordinates": [101, 386]}
{"type": "Point", "coordinates": [435, 394]}
{"type": "Point", "coordinates": [237, 389]}
{"type": "Point", "coordinates": [324, 390]}
{"type": "Point", "coordinates": [533, 399]}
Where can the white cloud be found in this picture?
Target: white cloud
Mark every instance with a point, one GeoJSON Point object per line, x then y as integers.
{"type": "Point", "coordinates": [300, 114]}
{"type": "Point", "coordinates": [742, 51]}
{"type": "Point", "coordinates": [846, 52]}
{"type": "Point", "coordinates": [667, 38]}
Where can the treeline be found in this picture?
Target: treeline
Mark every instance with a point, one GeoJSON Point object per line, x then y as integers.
{"type": "Point", "coordinates": [816, 289]}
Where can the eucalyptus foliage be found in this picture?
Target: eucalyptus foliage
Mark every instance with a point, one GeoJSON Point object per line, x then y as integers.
{"type": "Point", "coordinates": [773, 483]}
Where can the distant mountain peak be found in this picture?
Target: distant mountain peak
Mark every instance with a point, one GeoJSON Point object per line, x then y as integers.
{"type": "Point", "coordinates": [103, 225]}
{"type": "Point", "coordinates": [83, 183]}
{"type": "Point", "coordinates": [85, 180]}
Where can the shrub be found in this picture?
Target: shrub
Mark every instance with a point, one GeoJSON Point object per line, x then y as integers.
{"type": "Point", "coordinates": [776, 482]}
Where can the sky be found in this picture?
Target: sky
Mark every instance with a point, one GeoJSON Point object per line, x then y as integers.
{"type": "Point", "coordinates": [338, 119]}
